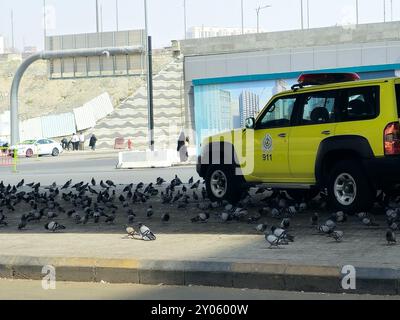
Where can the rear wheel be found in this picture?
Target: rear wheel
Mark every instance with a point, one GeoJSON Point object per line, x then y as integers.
{"type": "Point", "coordinates": [223, 184]}
{"type": "Point", "coordinates": [348, 187]}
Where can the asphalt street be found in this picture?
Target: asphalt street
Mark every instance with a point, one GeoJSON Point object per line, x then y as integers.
{"type": "Point", "coordinates": [32, 290]}
{"type": "Point", "coordinates": [47, 170]}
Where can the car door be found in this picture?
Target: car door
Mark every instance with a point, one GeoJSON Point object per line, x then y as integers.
{"type": "Point", "coordinates": [315, 122]}
{"type": "Point", "coordinates": [271, 137]}
{"type": "Point", "coordinates": [40, 146]}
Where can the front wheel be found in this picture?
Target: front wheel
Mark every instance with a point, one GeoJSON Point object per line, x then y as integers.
{"type": "Point", "coordinates": [348, 187]}
{"type": "Point", "coordinates": [55, 152]}
{"type": "Point", "coordinates": [223, 184]}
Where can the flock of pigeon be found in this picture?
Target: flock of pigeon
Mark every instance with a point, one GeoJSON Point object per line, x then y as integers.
{"type": "Point", "coordinates": [103, 202]}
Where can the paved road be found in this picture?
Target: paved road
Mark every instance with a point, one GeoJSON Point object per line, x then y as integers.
{"type": "Point", "coordinates": [47, 170]}
{"type": "Point", "coordinates": [28, 290]}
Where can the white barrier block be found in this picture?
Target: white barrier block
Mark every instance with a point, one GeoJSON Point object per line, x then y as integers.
{"type": "Point", "coordinates": [147, 159]}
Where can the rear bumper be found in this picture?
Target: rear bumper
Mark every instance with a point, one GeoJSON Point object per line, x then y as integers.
{"type": "Point", "coordinates": [383, 172]}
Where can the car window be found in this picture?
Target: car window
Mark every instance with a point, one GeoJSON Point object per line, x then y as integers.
{"type": "Point", "coordinates": [318, 108]}
{"type": "Point", "coordinates": [278, 115]}
{"type": "Point", "coordinates": [41, 141]}
{"type": "Point", "coordinates": [360, 104]}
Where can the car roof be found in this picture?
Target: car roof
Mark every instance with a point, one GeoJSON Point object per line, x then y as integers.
{"type": "Point", "coordinates": [338, 85]}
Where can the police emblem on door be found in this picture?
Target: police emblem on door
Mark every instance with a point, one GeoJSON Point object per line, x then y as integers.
{"type": "Point", "coordinates": [267, 143]}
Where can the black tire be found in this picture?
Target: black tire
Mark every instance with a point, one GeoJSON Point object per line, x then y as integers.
{"type": "Point", "coordinates": [357, 186]}
{"type": "Point", "coordinates": [234, 184]}
{"type": "Point", "coordinates": [303, 195]}
{"type": "Point", "coordinates": [55, 152]}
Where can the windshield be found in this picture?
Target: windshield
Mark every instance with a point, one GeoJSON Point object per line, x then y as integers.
{"type": "Point", "coordinates": [28, 142]}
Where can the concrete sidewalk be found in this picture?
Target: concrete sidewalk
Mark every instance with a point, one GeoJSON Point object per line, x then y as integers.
{"type": "Point", "coordinates": [312, 264]}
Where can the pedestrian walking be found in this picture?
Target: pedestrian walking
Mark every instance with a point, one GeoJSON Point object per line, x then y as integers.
{"type": "Point", "coordinates": [182, 147]}
{"type": "Point", "coordinates": [92, 142]}
{"type": "Point", "coordinates": [82, 142]}
{"type": "Point", "coordinates": [130, 144]}
{"type": "Point", "coordinates": [75, 142]}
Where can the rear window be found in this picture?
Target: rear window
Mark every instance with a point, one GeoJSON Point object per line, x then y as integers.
{"type": "Point", "coordinates": [360, 104]}
{"type": "Point", "coordinates": [398, 99]}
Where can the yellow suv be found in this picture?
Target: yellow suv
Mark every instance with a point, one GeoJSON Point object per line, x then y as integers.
{"type": "Point", "coordinates": [331, 132]}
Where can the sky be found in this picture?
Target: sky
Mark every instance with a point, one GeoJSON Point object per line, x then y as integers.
{"type": "Point", "coordinates": [166, 17]}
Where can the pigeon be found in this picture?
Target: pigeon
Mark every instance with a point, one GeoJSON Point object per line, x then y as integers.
{"type": "Point", "coordinates": [324, 229]}
{"type": "Point", "coordinates": [195, 196]}
{"type": "Point", "coordinates": [314, 219]}
{"type": "Point", "coordinates": [225, 217]}
{"type": "Point", "coordinates": [111, 184]}
{"type": "Point", "coordinates": [130, 231]}
{"type": "Point", "coordinates": [191, 180]}
{"type": "Point", "coordinates": [273, 240]}
{"type": "Point", "coordinates": [110, 219]}
{"type": "Point", "coordinates": [21, 183]}
{"type": "Point", "coordinates": [369, 223]}
{"type": "Point", "coordinates": [204, 193]}
{"type": "Point", "coordinates": [282, 234]}
{"type": "Point", "coordinates": [261, 227]}
{"type": "Point", "coordinates": [66, 185]}
{"type": "Point", "coordinates": [54, 226]}
{"type": "Point", "coordinates": [23, 222]}
{"type": "Point", "coordinates": [390, 237]}
{"type": "Point", "coordinates": [149, 212]}
{"type": "Point", "coordinates": [146, 233]}
{"type": "Point", "coordinates": [160, 181]}
{"type": "Point", "coordinates": [331, 224]}
{"type": "Point", "coordinates": [339, 217]}
{"type": "Point", "coordinates": [196, 185]}
{"type": "Point", "coordinates": [285, 224]}
{"type": "Point", "coordinates": [165, 217]}
{"type": "Point", "coordinates": [337, 235]}
{"type": "Point", "coordinates": [202, 217]}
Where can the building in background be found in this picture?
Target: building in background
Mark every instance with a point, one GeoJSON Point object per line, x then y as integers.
{"type": "Point", "coordinates": [215, 114]}
{"type": "Point", "coordinates": [28, 51]}
{"type": "Point", "coordinates": [2, 45]}
{"type": "Point", "coordinates": [209, 32]}
{"type": "Point", "coordinates": [249, 106]}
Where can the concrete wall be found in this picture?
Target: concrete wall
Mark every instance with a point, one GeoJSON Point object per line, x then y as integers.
{"type": "Point", "coordinates": [293, 39]}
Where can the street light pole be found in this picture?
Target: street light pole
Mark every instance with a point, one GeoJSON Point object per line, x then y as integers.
{"type": "Point", "coordinates": [184, 17]}
{"type": "Point", "coordinates": [308, 14]}
{"type": "Point", "coordinates": [149, 78]}
{"type": "Point", "coordinates": [97, 17]}
{"type": "Point", "coordinates": [384, 10]}
{"type": "Point", "coordinates": [258, 16]}
{"type": "Point", "coordinates": [242, 8]}
{"type": "Point", "coordinates": [356, 12]}
{"type": "Point", "coordinates": [44, 23]}
{"type": "Point", "coordinates": [117, 14]}
{"type": "Point", "coordinates": [302, 16]}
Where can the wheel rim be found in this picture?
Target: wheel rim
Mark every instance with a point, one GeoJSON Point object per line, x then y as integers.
{"type": "Point", "coordinates": [55, 152]}
{"type": "Point", "coordinates": [29, 153]}
{"type": "Point", "coordinates": [345, 189]}
{"type": "Point", "coordinates": [219, 184]}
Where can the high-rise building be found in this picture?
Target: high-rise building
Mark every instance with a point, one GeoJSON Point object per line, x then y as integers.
{"type": "Point", "coordinates": [210, 32]}
{"type": "Point", "coordinates": [2, 45]}
{"type": "Point", "coordinates": [215, 113]}
{"type": "Point", "coordinates": [249, 106]}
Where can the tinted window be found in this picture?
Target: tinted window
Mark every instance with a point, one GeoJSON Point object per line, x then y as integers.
{"type": "Point", "coordinates": [360, 104]}
{"type": "Point", "coordinates": [278, 115]}
{"type": "Point", "coordinates": [318, 108]}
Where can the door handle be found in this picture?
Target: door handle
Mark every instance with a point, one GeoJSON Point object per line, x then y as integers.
{"type": "Point", "coordinates": [327, 132]}
{"type": "Point", "coordinates": [282, 135]}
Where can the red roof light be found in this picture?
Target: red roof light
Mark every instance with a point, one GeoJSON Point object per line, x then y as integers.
{"type": "Point", "coordinates": [326, 78]}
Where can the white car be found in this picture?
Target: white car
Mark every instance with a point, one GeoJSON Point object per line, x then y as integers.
{"type": "Point", "coordinates": [39, 147]}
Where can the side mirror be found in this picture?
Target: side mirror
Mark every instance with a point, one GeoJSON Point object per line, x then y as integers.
{"type": "Point", "coordinates": [250, 123]}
